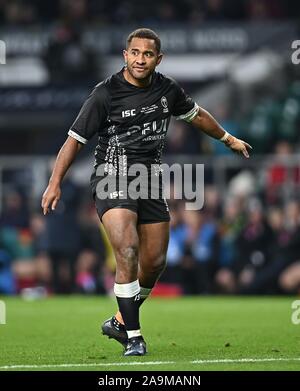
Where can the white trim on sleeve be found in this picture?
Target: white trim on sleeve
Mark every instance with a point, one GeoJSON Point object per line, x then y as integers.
{"type": "Point", "coordinates": [77, 137]}
{"type": "Point", "coordinates": [190, 115]}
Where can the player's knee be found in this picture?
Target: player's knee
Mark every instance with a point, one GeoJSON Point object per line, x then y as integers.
{"type": "Point", "coordinates": [158, 265]}
{"type": "Point", "coordinates": [162, 263]}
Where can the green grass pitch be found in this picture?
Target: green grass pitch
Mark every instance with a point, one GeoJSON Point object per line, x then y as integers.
{"type": "Point", "coordinates": [190, 334]}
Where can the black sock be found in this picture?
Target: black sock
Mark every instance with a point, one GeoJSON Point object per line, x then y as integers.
{"type": "Point", "coordinates": [129, 308]}
{"type": "Point", "coordinates": [128, 297]}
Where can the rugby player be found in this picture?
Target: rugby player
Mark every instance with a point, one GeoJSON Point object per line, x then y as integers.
{"type": "Point", "coordinates": [130, 112]}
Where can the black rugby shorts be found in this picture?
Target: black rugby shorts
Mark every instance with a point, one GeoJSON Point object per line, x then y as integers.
{"type": "Point", "coordinates": [149, 210]}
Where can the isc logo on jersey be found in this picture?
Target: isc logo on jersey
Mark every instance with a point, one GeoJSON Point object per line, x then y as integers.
{"type": "Point", "coordinates": [128, 113]}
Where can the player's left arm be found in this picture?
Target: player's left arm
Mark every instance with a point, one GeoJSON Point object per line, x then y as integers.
{"type": "Point", "coordinates": [204, 121]}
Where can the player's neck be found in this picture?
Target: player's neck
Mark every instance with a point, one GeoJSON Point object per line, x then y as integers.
{"type": "Point", "coordinates": [136, 82]}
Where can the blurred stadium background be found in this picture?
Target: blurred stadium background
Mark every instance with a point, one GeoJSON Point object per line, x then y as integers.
{"type": "Point", "coordinates": [234, 58]}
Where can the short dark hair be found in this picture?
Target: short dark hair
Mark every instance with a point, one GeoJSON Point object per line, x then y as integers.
{"type": "Point", "coordinates": [145, 33]}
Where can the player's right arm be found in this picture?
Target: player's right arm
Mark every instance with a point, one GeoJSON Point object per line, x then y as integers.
{"type": "Point", "coordinates": [88, 122]}
{"type": "Point", "coordinates": [64, 159]}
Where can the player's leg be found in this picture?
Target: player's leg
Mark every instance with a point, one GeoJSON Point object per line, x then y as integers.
{"type": "Point", "coordinates": [154, 239]}
{"type": "Point", "coordinates": [153, 244]}
{"type": "Point", "coordinates": [153, 231]}
{"type": "Point", "coordinates": [120, 225]}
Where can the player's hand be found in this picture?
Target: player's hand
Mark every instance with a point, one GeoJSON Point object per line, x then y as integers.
{"type": "Point", "coordinates": [50, 198]}
{"type": "Point", "coordinates": [238, 146]}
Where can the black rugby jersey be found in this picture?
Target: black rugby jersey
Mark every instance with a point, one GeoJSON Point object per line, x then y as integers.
{"type": "Point", "coordinates": [131, 122]}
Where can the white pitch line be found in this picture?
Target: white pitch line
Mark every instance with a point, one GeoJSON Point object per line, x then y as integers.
{"type": "Point", "coordinates": [241, 360]}
{"type": "Point", "coordinates": [88, 364]}
{"type": "Point", "coordinates": [221, 361]}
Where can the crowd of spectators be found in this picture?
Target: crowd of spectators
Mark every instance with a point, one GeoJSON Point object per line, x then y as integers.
{"type": "Point", "coordinates": [63, 253]}
{"type": "Point", "coordinates": [237, 247]}
{"type": "Point", "coordinates": [80, 12]}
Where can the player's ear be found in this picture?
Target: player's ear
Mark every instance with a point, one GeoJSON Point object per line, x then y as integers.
{"type": "Point", "coordinates": [159, 58]}
{"type": "Point", "coordinates": [125, 55]}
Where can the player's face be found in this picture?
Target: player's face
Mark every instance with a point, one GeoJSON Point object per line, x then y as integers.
{"type": "Point", "coordinates": [141, 57]}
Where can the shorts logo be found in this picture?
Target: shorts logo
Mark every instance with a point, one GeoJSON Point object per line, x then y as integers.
{"type": "Point", "coordinates": [116, 194]}
{"type": "Point", "coordinates": [164, 104]}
